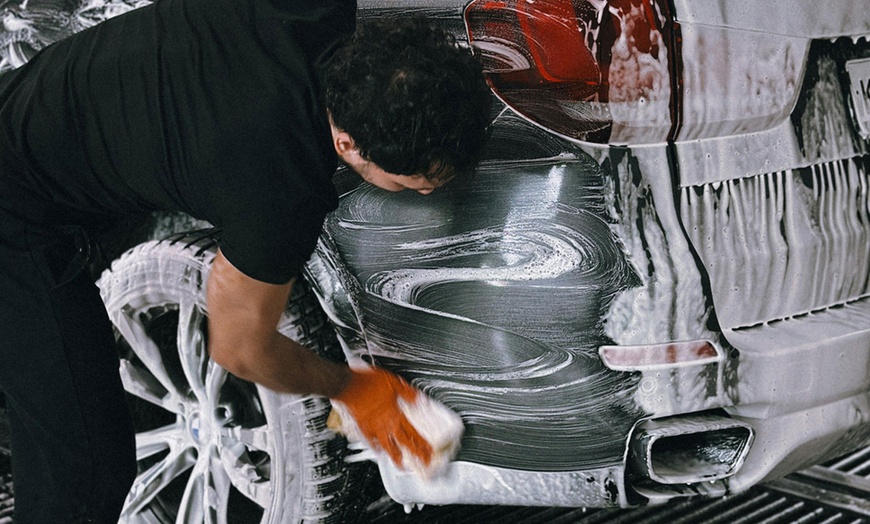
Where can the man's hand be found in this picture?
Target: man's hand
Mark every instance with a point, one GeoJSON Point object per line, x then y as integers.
{"type": "Point", "coordinates": [374, 398]}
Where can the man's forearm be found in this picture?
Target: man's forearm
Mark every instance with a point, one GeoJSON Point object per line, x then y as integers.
{"type": "Point", "coordinates": [289, 367]}
{"type": "Point", "coordinates": [243, 315]}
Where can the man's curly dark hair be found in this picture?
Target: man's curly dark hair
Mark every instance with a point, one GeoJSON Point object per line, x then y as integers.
{"type": "Point", "coordinates": [412, 99]}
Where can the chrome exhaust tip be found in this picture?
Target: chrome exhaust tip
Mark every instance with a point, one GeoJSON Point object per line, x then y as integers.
{"type": "Point", "coordinates": [689, 449]}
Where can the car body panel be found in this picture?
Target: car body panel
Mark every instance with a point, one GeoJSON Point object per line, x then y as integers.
{"type": "Point", "coordinates": [784, 212]}
{"type": "Point", "coordinates": [495, 297]}
{"type": "Point", "coordinates": [780, 17]}
{"type": "Point", "coordinates": [490, 296]}
{"type": "Point", "coordinates": [744, 225]}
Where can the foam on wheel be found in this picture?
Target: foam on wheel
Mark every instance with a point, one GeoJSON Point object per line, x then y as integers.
{"type": "Point", "coordinates": [211, 447]}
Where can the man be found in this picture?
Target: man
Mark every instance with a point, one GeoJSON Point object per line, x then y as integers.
{"type": "Point", "coordinates": [235, 113]}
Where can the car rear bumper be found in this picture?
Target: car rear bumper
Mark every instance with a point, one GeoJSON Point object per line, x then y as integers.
{"type": "Point", "coordinates": [803, 386]}
{"type": "Point", "coordinates": [803, 362]}
{"type": "Point", "coordinates": [468, 483]}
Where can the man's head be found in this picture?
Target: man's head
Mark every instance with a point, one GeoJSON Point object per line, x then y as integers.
{"type": "Point", "coordinates": [409, 107]}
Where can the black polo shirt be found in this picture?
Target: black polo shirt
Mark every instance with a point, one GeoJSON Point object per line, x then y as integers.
{"type": "Point", "coordinates": [210, 107]}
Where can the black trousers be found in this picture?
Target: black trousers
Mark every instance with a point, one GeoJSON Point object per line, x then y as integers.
{"type": "Point", "coordinates": [73, 450]}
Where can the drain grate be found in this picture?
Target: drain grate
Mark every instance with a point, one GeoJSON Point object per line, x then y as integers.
{"type": "Point", "coordinates": [756, 506]}
{"type": "Point", "coordinates": [856, 463]}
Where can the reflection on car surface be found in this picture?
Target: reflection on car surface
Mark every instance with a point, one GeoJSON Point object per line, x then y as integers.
{"type": "Point", "coordinates": [656, 286]}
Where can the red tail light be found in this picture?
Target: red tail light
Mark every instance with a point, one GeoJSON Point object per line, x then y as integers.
{"type": "Point", "coordinates": [589, 70]}
{"type": "Point", "coordinates": [555, 41]}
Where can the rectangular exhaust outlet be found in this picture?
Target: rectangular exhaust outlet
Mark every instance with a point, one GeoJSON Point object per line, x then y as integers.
{"type": "Point", "coordinates": [689, 449]}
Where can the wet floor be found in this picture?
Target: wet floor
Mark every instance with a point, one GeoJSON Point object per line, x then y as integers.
{"type": "Point", "coordinates": [763, 504]}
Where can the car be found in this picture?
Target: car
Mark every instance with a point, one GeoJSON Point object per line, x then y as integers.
{"type": "Point", "coordinates": [656, 286]}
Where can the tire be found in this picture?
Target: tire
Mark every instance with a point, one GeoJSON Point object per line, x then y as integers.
{"type": "Point", "coordinates": [212, 448]}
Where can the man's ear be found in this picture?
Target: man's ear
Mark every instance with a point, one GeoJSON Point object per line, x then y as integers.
{"type": "Point", "coordinates": [344, 145]}
{"type": "Point", "coordinates": [343, 142]}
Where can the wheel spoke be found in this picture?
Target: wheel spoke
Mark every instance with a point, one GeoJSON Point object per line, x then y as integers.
{"type": "Point", "coordinates": [244, 476]}
{"type": "Point", "coordinates": [192, 508]}
{"type": "Point", "coordinates": [157, 477]}
{"type": "Point", "coordinates": [206, 495]}
{"type": "Point", "coordinates": [253, 438]}
{"type": "Point", "coordinates": [143, 384]}
{"type": "Point", "coordinates": [145, 348]}
{"type": "Point", "coordinates": [191, 348]}
{"type": "Point", "coordinates": [151, 442]}
{"type": "Point", "coordinates": [215, 376]}
{"type": "Point", "coordinates": [221, 481]}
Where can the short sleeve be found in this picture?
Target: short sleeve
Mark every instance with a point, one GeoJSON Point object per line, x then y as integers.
{"type": "Point", "coordinates": [273, 247]}
{"type": "Point", "coordinates": [271, 204]}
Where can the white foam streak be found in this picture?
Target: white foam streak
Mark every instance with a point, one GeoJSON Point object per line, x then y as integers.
{"type": "Point", "coordinates": [800, 239]}
{"type": "Point", "coordinates": [528, 255]}
{"type": "Point", "coordinates": [669, 304]}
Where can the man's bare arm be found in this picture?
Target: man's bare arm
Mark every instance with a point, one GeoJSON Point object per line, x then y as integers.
{"type": "Point", "coordinates": [243, 337]}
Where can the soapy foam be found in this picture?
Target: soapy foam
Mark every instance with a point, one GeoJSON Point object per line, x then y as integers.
{"type": "Point", "coordinates": [495, 310]}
